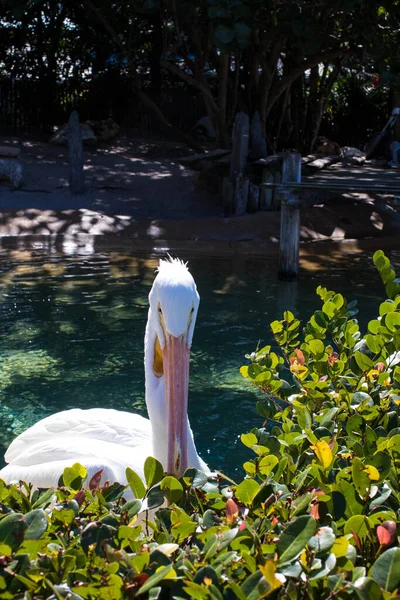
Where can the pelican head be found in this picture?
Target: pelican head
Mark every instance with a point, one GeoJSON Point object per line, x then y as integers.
{"type": "Point", "coordinates": [174, 302]}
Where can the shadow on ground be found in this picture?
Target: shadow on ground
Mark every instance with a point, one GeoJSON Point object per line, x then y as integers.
{"type": "Point", "coordinates": [130, 176]}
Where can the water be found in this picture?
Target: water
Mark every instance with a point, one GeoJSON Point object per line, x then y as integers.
{"type": "Point", "coordinates": [72, 332]}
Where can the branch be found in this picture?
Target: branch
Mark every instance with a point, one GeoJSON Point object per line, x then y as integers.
{"type": "Point", "coordinates": [298, 70]}
{"type": "Point", "coordinates": [113, 34]}
{"type": "Point", "coordinates": [191, 81]}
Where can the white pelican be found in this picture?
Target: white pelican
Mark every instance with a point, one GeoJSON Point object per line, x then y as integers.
{"type": "Point", "coordinates": [112, 440]}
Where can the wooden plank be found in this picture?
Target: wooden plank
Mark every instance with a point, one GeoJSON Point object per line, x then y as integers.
{"type": "Point", "coordinates": [9, 151]}
{"type": "Point", "coordinates": [342, 187]}
{"type": "Point", "coordinates": [268, 160]}
{"type": "Point", "coordinates": [189, 160]}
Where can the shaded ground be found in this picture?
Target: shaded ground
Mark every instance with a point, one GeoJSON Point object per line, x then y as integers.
{"type": "Point", "coordinates": [133, 176]}
{"type": "Point", "coordinates": [138, 191]}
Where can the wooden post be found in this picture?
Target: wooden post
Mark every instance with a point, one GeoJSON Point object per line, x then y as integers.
{"type": "Point", "coordinates": [276, 200]}
{"type": "Point", "coordinates": [240, 196]}
{"type": "Point", "coordinates": [290, 218]}
{"type": "Point", "coordinates": [253, 201]}
{"type": "Point", "coordinates": [258, 143]}
{"type": "Point", "coordinates": [235, 196]}
{"type": "Point", "coordinates": [227, 196]}
{"type": "Point", "coordinates": [75, 155]}
{"type": "Point", "coordinates": [240, 145]}
{"type": "Point", "coordinates": [266, 194]}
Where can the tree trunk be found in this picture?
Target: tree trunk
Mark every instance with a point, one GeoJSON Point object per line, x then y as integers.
{"type": "Point", "coordinates": [143, 97]}
{"type": "Point", "coordinates": [156, 52]}
{"type": "Point", "coordinates": [325, 90]}
{"type": "Point", "coordinates": [223, 84]}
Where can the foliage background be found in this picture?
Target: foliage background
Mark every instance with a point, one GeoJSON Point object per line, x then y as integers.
{"type": "Point", "coordinates": [293, 61]}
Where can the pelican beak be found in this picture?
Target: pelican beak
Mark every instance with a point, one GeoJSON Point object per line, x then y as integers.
{"type": "Point", "coordinates": [176, 378]}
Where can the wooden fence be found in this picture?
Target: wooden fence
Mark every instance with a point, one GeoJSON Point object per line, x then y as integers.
{"type": "Point", "coordinates": [26, 106]}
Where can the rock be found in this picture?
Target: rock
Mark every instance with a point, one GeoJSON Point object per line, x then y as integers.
{"type": "Point", "coordinates": [61, 136]}
{"type": "Point", "coordinates": [327, 147]}
{"type": "Point", "coordinates": [104, 130]}
{"type": "Point", "coordinates": [353, 156]}
{"type": "Point", "coordinates": [203, 129]}
{"type": "Point", "coordinates": [350, 152]}
{"type": "Point", "coordinates": [12, 170]}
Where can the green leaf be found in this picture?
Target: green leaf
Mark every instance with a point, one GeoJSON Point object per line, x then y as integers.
{"type": "Point", "coordinates": [374, 342]}
{"type": "Point", "coordinates": [12, 530]}
{"type": "Point", "coordinates": [36, 522]}
{"type": "Point", "coordinates": [248, 439]}
{"type": "Point", "coordinates": [359, 524]}
{"type": "Point", "coordinates": [172, 487]}
{"type": "Point", "coordinates": [317, 347]}
{"type": "Point", "coordinates": [154, 579]}
{"type": "Point", "coordinates": [386, 569]}
{"type": "Point", "coordinates": [224, 34]}
{"type": "Point", "coordinates": [267, 463]}
{"type": "Point", "coordinates": [218, 12]}
{"type": "Point", "coordinates": [386, 307]}
{"type": "Point", "coordinates": [392, 321]}
{"type": "Point", "coordinates": [303, 417]}
{"type": "Point", "coordinates": [153, 471]}
{"type": "Point", "coordinates": [367, 589]}
{"type": "Point", "coordinates": [135, 483]}
{"type": "Point", "coordinates": [353, 503]}
{"type": "Point", "coordinates": [97, 534]}
{"type": "Point", "coordinates": [295, 537]}
{"type": "Point", "coordinates": [73, 477]}
{"type": "Point", "coordinates": [363, 361]}
{"type": "Point", "coordinates": [322, 541]}
{"type": "Point", "coordinates": [247, 490]}
{"type": "Point", "coordinates": [361, 479]}
{"type": "Point", "coordinates": [132, 507]}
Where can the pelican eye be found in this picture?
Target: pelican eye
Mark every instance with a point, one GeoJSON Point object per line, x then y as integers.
{"type": "Point", "coordinates": [159, 310]}
{"type": "Point", "coordinates": [192, 310]}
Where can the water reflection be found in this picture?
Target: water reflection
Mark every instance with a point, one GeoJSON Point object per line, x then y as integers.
{"type": "Point", "coordinates": [72, 331]}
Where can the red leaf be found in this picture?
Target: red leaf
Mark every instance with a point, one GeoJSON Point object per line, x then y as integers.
{"type": "Point", "coordinates": [386, 533]}
{"type": "Point", "coordinates": [80, 497]}
{"type": "Point", "coordinates": [94, 483]}
{"type": "Point", "coordinates": [231, 510]}
{"type": "Point", "coordinates": [380, 367]}
{"type": "Point", "coordinates": [356, 539]}
{"type": "Point", "coordinates": [298, 359]}
{"type": "Point", "coordinates": [314, 512]}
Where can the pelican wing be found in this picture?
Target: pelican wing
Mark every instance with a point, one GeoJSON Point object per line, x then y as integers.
{"type": "Point", "coordinates": [106, 425]}
{"type": "Point", "coordinates": [97, 438]}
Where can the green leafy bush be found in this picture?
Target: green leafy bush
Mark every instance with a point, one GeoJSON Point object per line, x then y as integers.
{"type": "Point", "coordinates": [315, 517]}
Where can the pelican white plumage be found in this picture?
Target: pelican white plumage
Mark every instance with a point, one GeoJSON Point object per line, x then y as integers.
{"type": "Point", "coordinates": [113, 440]}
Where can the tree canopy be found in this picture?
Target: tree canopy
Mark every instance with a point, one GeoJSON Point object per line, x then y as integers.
{"type": "Point", "coordinates": [283, 59]}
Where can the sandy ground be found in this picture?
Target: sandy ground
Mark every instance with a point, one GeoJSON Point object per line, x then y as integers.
{"type": "Point", "coordinates": [137, 192]}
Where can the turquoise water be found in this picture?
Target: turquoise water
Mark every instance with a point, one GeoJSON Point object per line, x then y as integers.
{"type": "Point", "coordinates": [72, 332]}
